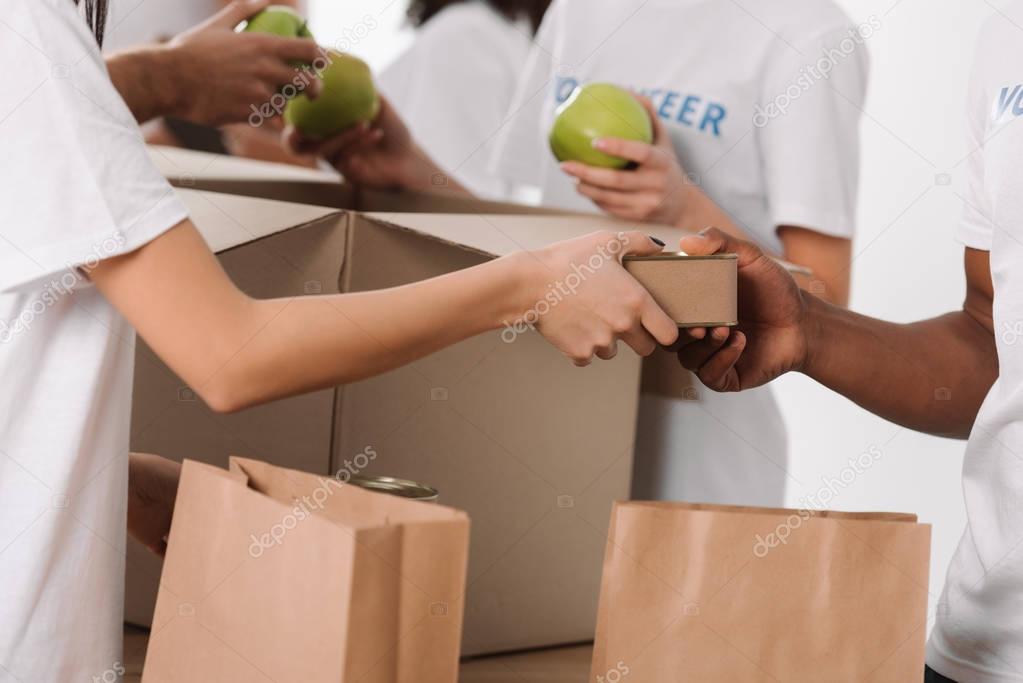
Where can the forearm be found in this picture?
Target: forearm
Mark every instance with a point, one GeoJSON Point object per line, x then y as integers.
{"type": "Point", "coordinates": [422, 174]}
{"type": "Point", "coordinates": [236, 351]}
{"type": "Point", "coordinates": [826, 258]}
{"type": "Point", "coordinates": [145, 79]}
{"type": "Point", "coordinates": [284, 347]}
{"type": "Point", "coordinates": [930, 376]}
{"type": "Point", "coordinates": [703, 212]}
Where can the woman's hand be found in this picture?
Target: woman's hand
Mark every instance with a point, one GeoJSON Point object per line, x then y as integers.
{"type": "Point", "coordinates": [380, 154]}
{"type": "Point", "coordinates": [152, 488]}
{"type": "Point", "coordinates": [584, 301]}
{"type": "Point", "coordinates": [655, 191]}
{"type": "Point", "coordinates": [772, 336]}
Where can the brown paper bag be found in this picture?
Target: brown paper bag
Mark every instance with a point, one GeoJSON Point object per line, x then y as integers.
{"type": "Point", "coordinates": [708, 593]}
{"type": "Point", "coordinates": [277, 575]}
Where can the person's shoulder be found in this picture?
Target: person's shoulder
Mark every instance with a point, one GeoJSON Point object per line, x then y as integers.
{"type": "Point", "coordinates": [797, 21]}
{"type": "Point", "coordinates": [1002, 27]}
{"type": "Point", "coordinates": [476, 30]}
{"type": "Point", "coordinates": [998, 50]}
{"type": "Point", "coordinates": [49, 25]}
{"type": "Point", "coordinates": [50, 33]}
{"type": "Point", "coordinates": [465, 19]}
{"type": "Point", "coordinates": [59, 13]}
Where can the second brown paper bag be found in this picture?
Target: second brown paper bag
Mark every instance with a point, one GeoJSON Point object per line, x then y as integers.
{"type": "Point", "coordinates": [277, 575]}
{"type": "Point", "coordinates": [747, 595]}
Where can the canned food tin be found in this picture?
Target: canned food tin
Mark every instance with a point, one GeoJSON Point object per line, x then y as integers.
{"type": "Point", "coordinates": [694, 291]}
{"type": "Point", "coordinates": [403, 488]}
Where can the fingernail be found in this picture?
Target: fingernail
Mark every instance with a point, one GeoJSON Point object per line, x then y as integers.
{"type": "Point", "coordinates": [599, 143]}
{"type": "Point", "coordinates": [657, 241]}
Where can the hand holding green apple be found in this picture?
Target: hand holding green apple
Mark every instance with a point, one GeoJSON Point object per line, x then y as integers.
{"type": "Point", "coordinates": [215, 74]}
{"type": "Point", "coordinates": [379, 154]}
{"type": "Point", "coordinates": [595, 111]}
{"type": "Point", "coordinates": [632, 175]}
{"type": "Point", "coordinates": [348, 98]}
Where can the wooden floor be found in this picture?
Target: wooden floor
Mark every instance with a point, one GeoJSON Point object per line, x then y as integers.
{"type": "Point", "coordinates": [563, 665]}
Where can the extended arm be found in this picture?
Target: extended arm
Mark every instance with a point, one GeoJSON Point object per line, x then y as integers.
{"type": "Point", "coordinates": [236, 351]}
{"type": "Point", "coordinates": [930, 375]}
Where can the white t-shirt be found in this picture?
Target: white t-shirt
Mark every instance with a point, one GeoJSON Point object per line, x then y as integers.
{"type": "Point", "coordinates": [978, 635]}
{"type": "Point", "coordinates": [710, 68]}
{"type": "Point", "coordinates": [764, 112]}
{"type": "Point", "coordinates": [454, 85]}
{"type": "Point", "coordinates": [78, 187]}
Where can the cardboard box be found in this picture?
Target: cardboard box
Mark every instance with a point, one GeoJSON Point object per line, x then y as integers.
{"type": "Point", "coordinates": [495, 427]}
{"type": "Point", "coordinates": [534, 449]}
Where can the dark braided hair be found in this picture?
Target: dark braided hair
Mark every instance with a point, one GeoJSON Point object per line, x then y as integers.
{"type": "Point", "coordinates": [95, 17]}
{"type": "Point", "coordinates": [421, 11]}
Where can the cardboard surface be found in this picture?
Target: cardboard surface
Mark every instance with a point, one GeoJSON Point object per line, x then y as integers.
{"type": "Point", "coordinates": [180, 165]}
{"type": "Point", "coordinates": [534, 449]}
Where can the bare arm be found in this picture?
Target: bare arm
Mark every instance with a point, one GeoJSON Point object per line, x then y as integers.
{"type": "Point", "coordinates": [930, 375]}
{"type": "Point", "coordinates": [830, 259]}
{"type": "Point", "coordinates": [236, 351]}
{"type": "Point", "coordinates": [146, 78]}
{"type": "Point", "coordinates": [381, 155]}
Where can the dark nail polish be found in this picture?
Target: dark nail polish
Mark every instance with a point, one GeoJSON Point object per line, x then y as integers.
{"type": "Point", "coordinates": [656, 241]}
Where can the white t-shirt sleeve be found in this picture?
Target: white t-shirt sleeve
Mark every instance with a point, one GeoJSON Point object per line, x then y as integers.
{"type": "Point", "coordinates": [976, 226]}
{"type": "Point", "coordinates": [453, 105]}
{"type": "Point", "coordinates": [807, 127]}
{"type": "Point", "coordinates": [81, 184]}
{"type": "Point", "coordinates": [521, 149]}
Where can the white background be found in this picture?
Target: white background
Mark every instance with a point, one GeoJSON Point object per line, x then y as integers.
{"type": "Point", "coordinates": [907, 265]}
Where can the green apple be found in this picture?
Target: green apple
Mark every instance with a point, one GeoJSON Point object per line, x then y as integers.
{"type": "Point", "coordinates": [348, 98]}
{"type": "Point", "coordinates": [594, 111]}
{"type": "Point", "coordinates": [279, 20]}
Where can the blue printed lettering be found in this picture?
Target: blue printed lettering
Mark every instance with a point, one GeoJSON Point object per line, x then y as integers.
{"type": "Point", "coordinates": [669, 101]}
{"type": "Point", "coordinates": [1005, 98]}
{"type": "Point", "coordinates": [713, 117]}
{"type": "Point", "coordinates": [688, 107]}
{"type": "Point", "coordinates": [563, 89]}
{"type": "Point", "coordinates": [685, 109]}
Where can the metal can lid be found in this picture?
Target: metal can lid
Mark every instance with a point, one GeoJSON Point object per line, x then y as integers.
{"type": "Point", "coordinates": [680, 256]}
{"type": "Point", "coordinates": [402, 488]}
